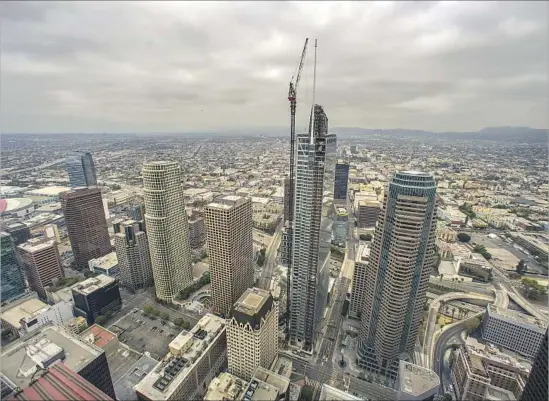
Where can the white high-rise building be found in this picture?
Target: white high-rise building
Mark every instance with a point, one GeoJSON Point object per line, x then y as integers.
{"type": "Point", "coordinates": [230, 245]}
{"type": "Point", "coordinates": [167, 228]}
{"type": "Point", "coordinates": [252, 333]}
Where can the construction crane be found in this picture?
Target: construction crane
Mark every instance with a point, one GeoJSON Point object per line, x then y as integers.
{"type": "Point", "coordinates": [292, 97]}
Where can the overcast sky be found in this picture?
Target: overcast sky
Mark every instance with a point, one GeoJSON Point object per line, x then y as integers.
{"type": "Point", "coordinates": [176, 67]}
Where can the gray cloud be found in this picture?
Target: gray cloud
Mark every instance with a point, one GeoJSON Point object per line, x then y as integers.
{"type": "Point", "coordinates": [176, 66]}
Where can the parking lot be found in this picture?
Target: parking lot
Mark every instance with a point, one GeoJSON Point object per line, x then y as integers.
{"type": "Point", "coordinates": [145, 333]}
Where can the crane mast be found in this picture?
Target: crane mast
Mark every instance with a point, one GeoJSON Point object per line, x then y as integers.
{"type": "Point", "coordinates": [292, 97]}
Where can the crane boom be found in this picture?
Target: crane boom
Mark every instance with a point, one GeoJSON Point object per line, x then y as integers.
{"type": "Point", "coordinates": [292, 97]}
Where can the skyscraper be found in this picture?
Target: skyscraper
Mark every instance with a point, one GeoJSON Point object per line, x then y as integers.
{"type": "Point", "coordinates": [341, 181]}
{"type": "Point", "coordinates": [40, 259]}
{"type": "Point", "coordinates": [81, 169]}
{"type": "Point", "coordinates": [286, 199]}
{"type": "Point", "coordinates": [86, 224]}
{"type": "Point", "coordinates": [315, 164]}
{"type": "Point", "coordinates": [230, 245]}
{"type": "Point", "coordinates": [401, 258]}
{"type": "Point", "coordinates": [536, 385]}
{"type": "Point", "coordinates": [132, 251]}
{"type": "Point", "coordinates": [167, 228]}
{"type": "Point", "coordinates": [12, 280]}
{"type": "Point", "coordinates": [252, 333]}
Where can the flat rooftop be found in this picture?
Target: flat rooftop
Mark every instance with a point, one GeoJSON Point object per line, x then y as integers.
{"type": "Point", "coordinates": [416, 380]}
{"type": "Point", "coordinates": [35, 245]}
{"type": "Point", "coordinates": [329, 393]}
{"type": "Point", "coordinates": [517, 317]}
{"type": "Point", "coordinates": [278, 382]}
{"type": "Point", "coordinates": [483, 351]}
{"type": "Point", "coordinates": [48, 191]}
{"type": "Point", "coordinates": [98, 335]}
{"type": "Point", "coordinates": [252, 306]}
{"type": "Point", "coordinates": [92, 284]}
{"type": "Point", "coordinates": [225, 387]}
{"type": "Point", "coordinates": [124, 386]}
{"type": "Point", "coordinates": [227, 202]}
{"type": "Point", "coordinates": [168, 375]}
{"type": "Point", "coordinates": [363, 253]}
{"type": "Point", "coordinates": [25, 310]}
{"type": "Point", "coordinates": [19, 367]}
{"type": "Point", "coordinates": [106, 262]}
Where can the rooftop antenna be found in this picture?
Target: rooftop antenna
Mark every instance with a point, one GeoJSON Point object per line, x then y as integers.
{"type": "Point", "coordinates": [312, 120]}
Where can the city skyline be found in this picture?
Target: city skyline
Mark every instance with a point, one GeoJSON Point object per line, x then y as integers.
{"type": "Point", "coordinates": [438, 66]}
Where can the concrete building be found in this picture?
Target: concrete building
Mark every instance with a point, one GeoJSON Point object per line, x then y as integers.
{"type": "Point", "coordinates": [478, 368]}
{"type": "Point", "coordinates": [329, 393]}
{"type": "Point", "coordinates": [12, 279]}
{"type": "Point", "coordinates": [132, 251]}
{"type": "Point", "coordinates": [40, 260]}
{"type": "Point", "coordinates": [367, 212]}
{"type": "Point", "coordinates": [19, 232]}
{"type": "Point", "coordinates": [403, 253]}
{"type": "Point", "coordinates": [81, 169]}
{"type": "Point", "coordinates": [86, 224]}
{"type": "Point", "coordinates": [267, 386]}
{"type": "Point", "coordinates": [167, 228]}
{"type": "Point", "coordinates": [197, 232]}
{"type": "Point", "coordinates": [103, 338]}
{"type": "Point", "coordinates": [475, 268]}
{"type": "Point", "coordinates": [416, 383]}
{"type": "Point", "coordinates": [23, 359]}
{"type": "Point", "coordinates": [252, 333]}
{"type": "Point", "coordinates": [341, 181]}
{"type": "Point", "coordinates": [536, 385]}
{"type": "Point", "coordinates": [286, 199]}
{"type": "Point", "coordinates": [340, 225]}
{"type": "Point", "coordinates": [195, 358]}
{"type": "Point", "coordinates": [57, 383]}
{"type": "Point", "coordinates": [28, 313]}
{"type": "Point", "coordinates": [513, 330]}
{"type": "Point", "coordinates": [96, 296]}
{"type": "Point", "coordinates": [360, 281]}
{"type": "Point", "coordinates": [230, 245]}
{"type": "Point", "coordinates": [225, 387]}
{"type": "Point", "coordinates": [311, 238]}
{"type": "Point", "coordinates": [107, 265]}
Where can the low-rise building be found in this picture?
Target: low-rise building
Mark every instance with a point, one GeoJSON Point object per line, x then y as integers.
{"type": "Point", "coordinates": [513, 330]}
{"type": "Point", "coordinates": [476, 268]}
{"type": "Point", "coordinates": [225, 387]}
{"type": "Point", "coordinates": [195, 358]}
{"type": "Point", "coordinates": [266, 385]}
{"type": "Point", "coordinates": [416, 383]}
{"type": "Point", "coordinates": [329, 393]}
{"type": "Point", "coordinates": [477, 367]}
{"type": "Point", "coordinates": [107, 265]}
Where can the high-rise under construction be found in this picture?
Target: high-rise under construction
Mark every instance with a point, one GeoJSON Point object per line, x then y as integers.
{"type": "Point", "coordinates": [401, 258]}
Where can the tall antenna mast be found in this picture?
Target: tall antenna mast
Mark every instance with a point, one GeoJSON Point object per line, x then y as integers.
{"type": "Point", "coordinates": [312, 118]}
{"type": "Point", "coordinates": [314, 75]}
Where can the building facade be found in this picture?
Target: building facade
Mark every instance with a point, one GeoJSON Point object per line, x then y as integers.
{"type": "Point", "coordinates": [341, 181]}
{"type": "Point", "coordinates": [536, 385]}
{"type": "Point", "coordinates": [367, 213]}
{"type": "Point", "coordinates": [402, 255]}
{"type": "Point", "coordinates": [167, 228]}
{"type": "Point", "coordinates": [107, 265]}
{"type": "Point", "coordinates": [340, 225]}
{"type": "Point", "coordinates": [513, 330]}
{"type": "Point", "coordinates": [252, 333]}
{"type": "Point", "coordinates": [197, 232]}
{"type": "Point", "coordinates": [96, 296]}
{"type": "Point", "coordinates": [230, 246]}
{"type": "Point", "coordinates": [12, 280]}
{"type": "Point", "coordinates": [309, 276]}
{"type": "Point", "coordinates": [86, 224]}
{"type": "Point", "coordinates": [40, 260]}
{"type": "Point", "coordinates": [132, 251]}
{"type": "Point", "coordinates": [81, 169]}
{"type": "Point", "coordinates": [360, 281]}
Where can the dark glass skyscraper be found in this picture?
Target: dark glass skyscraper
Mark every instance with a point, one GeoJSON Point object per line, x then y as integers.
{"type": "Point", "coordinates": [12, 279]}
{"type": "Point", "coordinates": [314, 183]}
{"type": "Point", "coordinates": [536, 385]}
{"type": "Point", "coordinates": [81, 169]}
{"type": "Point", "coordinates": [341, 181]}
{"type": "Point", "coordinates": [402, 255]}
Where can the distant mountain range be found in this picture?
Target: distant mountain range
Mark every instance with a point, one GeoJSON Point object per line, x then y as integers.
{"type": "Point", "coordinates": [510, 134]}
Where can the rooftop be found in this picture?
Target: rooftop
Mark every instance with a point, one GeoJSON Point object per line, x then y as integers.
{"type": "Point", "coordinates": [48, 191]}
{"type": "Point", "coordinates": [269, 385]}
{"type": "Point", "coordinates": [92, 284]}
{"type": "Point", "coordinates": [98, 335]}
{"type": "Point", "coordinates": [105, 262]}
{"type": "Point", "coordinates": [512, 315]}
{"type": "Point", "coordinates": [124, 387]}
{"type": "Point", "coordinates": [36, 244]}
{"type": "Point", "coordinates": [45, 345]}
{"type": "Point", "coordinates": [14, 204]}
{"type": "Point", "coordinates": [26, 310]}
{"type": "Point", "coordinates": [252, 306]}
{"type": "Point", "coordinates": [227, 202]}
{"type": "Point", "coordinates": [416, 380]}
{"type": "Point", "coordinates": [168, 375]}
{"type": "Point", "coordinates": [478, 351]}
{"type": "Point", "coordinates": [330, 393]}
{"type": "Point", "coordinates": [363, 253]}
{"type": "Point", "coordinates": [225, 387]}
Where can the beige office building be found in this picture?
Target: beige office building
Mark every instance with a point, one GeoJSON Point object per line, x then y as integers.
{"type": "Point", "coordinates": [167, 228]}
{"type": "Point", "coordinates": [230, 244]}
{"type": "Point", "coordinates": [40, 260]}
{"type": "Point", "coordinates": [360, 281]}
{"type": "Point", "coordinates": [252, 333]}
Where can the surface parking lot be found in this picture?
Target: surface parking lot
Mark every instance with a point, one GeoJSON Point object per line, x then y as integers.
{"type": "Point", "coordinates": [145, 333]}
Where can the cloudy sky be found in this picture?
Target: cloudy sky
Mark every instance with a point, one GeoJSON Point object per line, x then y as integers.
{"type": "Point", "coordinates": [176, 66]}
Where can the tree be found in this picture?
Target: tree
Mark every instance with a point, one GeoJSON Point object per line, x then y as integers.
{"type": "Point", "coordinates": [472, 324]}
{"type": "Point", "coordinates": [186, 325]}
{"type": "Point", "coordinates": [178, 321]}
{"type": "Point", "coordinates": [155, 312]}
{"type": "Point", "coordinates": [464, 237]}
{"type": "Point", "coordinates": [454, 346]}
{"type": "Point", "coordinates": [365, 237]}
{"type": "Point", "coordinates": [306, 393]}
{"type": "Point", "coordinates": [521, 267]}
{"type": "Point", "coordinates": [148, 310]}
{"type": "Point", "coordinates": [100, 320]}
{"type": "Point", "coordinates": [164, 316]}
{"type": "Point", "coordinates": [532, 288]}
